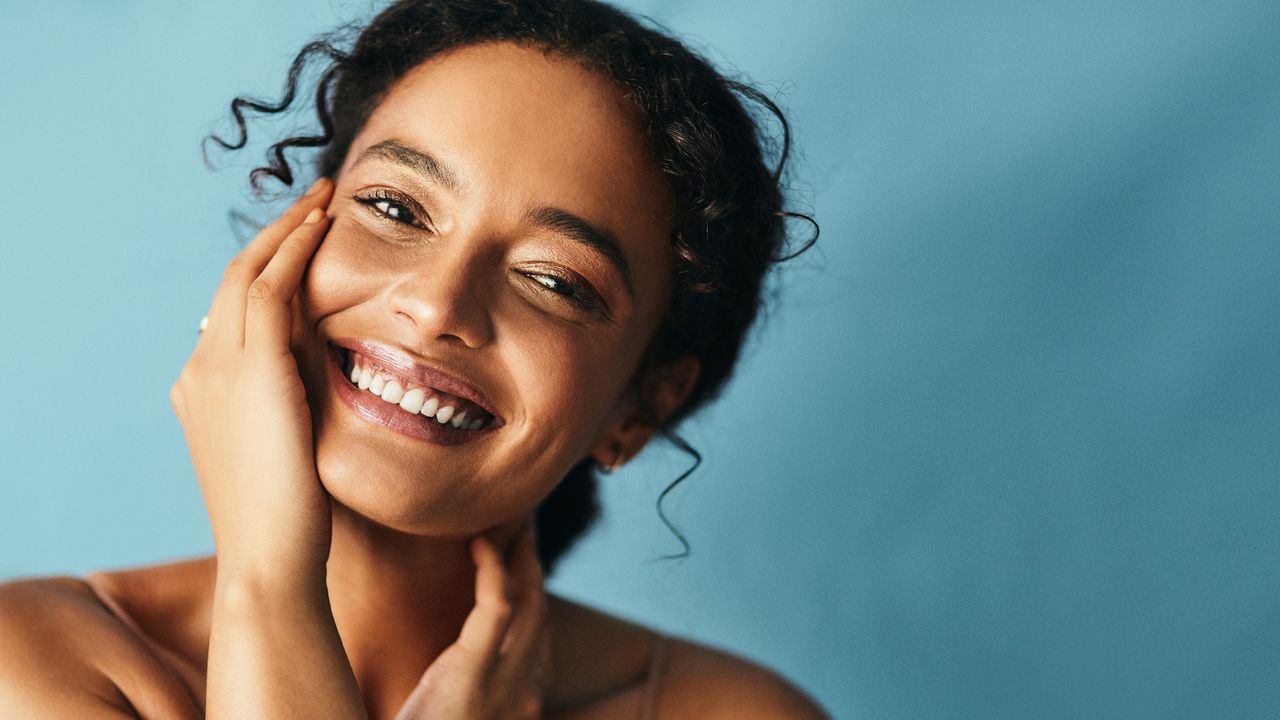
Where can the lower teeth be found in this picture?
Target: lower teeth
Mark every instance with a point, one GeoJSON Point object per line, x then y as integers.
{"type": "Point", "coordinates": [465, 427]}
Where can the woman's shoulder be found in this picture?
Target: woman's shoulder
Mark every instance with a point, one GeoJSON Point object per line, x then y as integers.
{"type": "Point", "coordinates": [706, 682]}
{"type": "Point", "coordinates": [673, 676]}
{"type": "Point", "coordinates": [122, 644]}
{"type": "Point", "coordinates": [65, 653]}
{"type": "Point", "coordinates": [53, 643]}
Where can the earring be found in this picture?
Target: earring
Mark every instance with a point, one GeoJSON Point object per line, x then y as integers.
{"type": "Point", "coordinates": [612, 467]}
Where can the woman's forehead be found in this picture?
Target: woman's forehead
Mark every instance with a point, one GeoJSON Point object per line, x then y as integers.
{"type": "Point", "coordinates": [525, 121]}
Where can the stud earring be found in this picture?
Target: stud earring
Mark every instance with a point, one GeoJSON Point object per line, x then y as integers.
{"type": "Point", "coordinates": [612, 467]}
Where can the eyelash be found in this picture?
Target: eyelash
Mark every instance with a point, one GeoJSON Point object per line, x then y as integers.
{"type": "Point", "coordinates": [391, 197]}
{"type": "Point", "coordinates": [578, 292]}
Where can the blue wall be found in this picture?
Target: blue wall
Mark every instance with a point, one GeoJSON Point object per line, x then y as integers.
{"type": "Point", "coordinates": [1008, 448]}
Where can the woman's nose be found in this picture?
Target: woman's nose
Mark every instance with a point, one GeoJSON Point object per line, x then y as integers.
{"type": "Point", "coordinates": [445, 299]}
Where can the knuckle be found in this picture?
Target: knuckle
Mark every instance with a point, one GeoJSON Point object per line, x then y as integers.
{"type": "Point", "coordinates": [530, 706]}
{"type": "Point", "coordinates": [193, 370]}
{"type": "Point", "coordinates": [261, 290]}
{"type": "Point", "coordinates": [284, 222]}
{"type": "Point", "coordinates": [500, 608]}
{"type": "Point", "coordinates": [184, 380]}
{"type": "Point", "coordinates": [297, 240]}
{"type": "Point", "coordinates": [235, 272]}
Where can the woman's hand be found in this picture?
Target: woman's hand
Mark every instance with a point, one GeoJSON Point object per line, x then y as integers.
{"type": "Point", "coordinates": [244, 409]}
{"type": "Point", "coordinates": [274, 649]}
{"type": "Point", "coordinates": [500, 665]}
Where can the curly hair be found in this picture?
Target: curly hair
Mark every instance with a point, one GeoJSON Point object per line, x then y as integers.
{"type": "Point", "coordinates": [730, 225]}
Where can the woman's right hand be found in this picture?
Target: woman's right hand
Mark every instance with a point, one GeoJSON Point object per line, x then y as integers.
{"type": "Point", "coordinates": [243, 406]}
{"type": "Point", "coordinates": [274, 648]}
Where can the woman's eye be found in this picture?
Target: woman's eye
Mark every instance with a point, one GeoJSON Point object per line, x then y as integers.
{"type": "Point", "coordinates": [555, 284]}
{"type": "Point", "coordinates": [577, 293]}
{"type": "Point", "coordinates": [393, 207]}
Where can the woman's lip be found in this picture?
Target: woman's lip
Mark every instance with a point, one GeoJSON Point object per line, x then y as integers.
{"type": "Point", "coordinates": [409, 369]}
{"type": "Point", "coordinates": [380, 412]}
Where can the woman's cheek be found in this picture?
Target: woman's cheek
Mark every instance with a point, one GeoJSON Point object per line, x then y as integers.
{"type": "Point", "coordinates": [342, 271]}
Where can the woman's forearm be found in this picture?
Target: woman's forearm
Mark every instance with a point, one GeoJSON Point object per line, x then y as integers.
{"type": "Point", "coordinates": [274, 652]}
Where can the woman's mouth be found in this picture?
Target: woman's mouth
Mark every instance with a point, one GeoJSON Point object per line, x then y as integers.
{"type": "Point", "coordinates": [382, 395]}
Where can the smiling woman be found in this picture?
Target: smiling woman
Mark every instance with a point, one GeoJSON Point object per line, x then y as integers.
{"type": "Point", "coordinates": [537, 241]}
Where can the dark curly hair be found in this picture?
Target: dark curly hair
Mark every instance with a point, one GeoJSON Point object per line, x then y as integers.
{"type": "Point", "coordinates": [730, 224]}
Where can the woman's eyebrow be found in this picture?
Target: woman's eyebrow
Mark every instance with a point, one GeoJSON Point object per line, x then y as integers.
{"type": "Point", "coordinates": [416, 160]}
{"type": "Point", "coordinates": [557, 220]}
{"type": "Point", "coordinates": [597, 238]}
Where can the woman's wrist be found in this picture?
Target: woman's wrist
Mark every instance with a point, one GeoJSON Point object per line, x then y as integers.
{"type": "Point", "coordinates": [274, 646]}
{"type": "Point", "coordinates": [259, 581]}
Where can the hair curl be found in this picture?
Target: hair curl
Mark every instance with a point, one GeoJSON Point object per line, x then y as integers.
{"type": "Point", "coordinates": [730, 226]}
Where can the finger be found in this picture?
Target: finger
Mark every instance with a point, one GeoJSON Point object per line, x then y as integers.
{"type": "Point", "coordinates": [535, 669]}
{"type": "Point", "coordinates": [531, 611]}
{"type": "Point", "coordinates": [542, 655]}
{"type": "Point", "coordinates": [226, 313]}
{"type": "Point", "coordinates": [297, 339]}
{"type": "Point", "coordinates": [486, 625]}
{"type": "Point", "coordinates": [269, 315]}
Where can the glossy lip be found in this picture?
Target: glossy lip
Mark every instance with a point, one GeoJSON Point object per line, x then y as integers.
{"type": "Point", "coordinates": [433, 377]}
{"type": "Point", "coordinates": [380, 412]}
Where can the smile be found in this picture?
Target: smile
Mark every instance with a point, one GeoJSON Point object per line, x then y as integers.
{"type": "Point", "coordinates": [397, 395]}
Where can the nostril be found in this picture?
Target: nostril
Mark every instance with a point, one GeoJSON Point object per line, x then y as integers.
{"type": "Point", "coordinates": [439, 311]}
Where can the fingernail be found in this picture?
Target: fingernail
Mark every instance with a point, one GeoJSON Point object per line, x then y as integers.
{"type": "Point", "coordinates": [313, 216]}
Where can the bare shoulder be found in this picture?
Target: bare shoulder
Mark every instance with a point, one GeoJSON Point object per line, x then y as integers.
{"type": "Point", "coordinates": [51, 651]}
{"type": "Point", "coordinates": [704, 682]}
{"type": "Point", "coordinates": [63, 654]}
{"type": "Point", "coordinates": [688, 679]}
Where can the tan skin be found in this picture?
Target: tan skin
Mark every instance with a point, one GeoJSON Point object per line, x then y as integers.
{"type": "Point", "coordinates": [365, 573]}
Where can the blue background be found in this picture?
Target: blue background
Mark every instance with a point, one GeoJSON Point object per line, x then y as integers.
{"type": "Point", "coordinates": [1007, 448]}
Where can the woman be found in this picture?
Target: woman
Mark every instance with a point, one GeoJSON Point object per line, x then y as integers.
{"type": "Point", "coordinates": [537, 240]}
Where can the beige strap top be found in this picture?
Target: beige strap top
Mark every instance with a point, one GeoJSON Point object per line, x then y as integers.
{"type": "Point", "coordinates": [653, 679]}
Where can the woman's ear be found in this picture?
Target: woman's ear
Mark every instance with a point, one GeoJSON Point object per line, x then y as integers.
{"type": "Point", "coordinates": [645, 412]}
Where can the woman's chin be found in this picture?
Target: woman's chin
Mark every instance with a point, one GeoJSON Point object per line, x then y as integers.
{"type": "Point", "coordinates": [414, 485]}
{"type": "Point", "coordinates": [364, 482]}
{"type": "Point", "coordinates": [383, 490]}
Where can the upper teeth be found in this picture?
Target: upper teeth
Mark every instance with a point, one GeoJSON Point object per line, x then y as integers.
{"type": "Point", "coordinates": [419, 400]}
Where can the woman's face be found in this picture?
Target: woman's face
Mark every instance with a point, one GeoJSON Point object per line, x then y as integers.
{"type": "Point", "coordinates": [499, 234]}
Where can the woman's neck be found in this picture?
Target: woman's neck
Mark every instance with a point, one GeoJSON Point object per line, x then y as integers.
{"type": "Point", "coordinates": [398, 600]}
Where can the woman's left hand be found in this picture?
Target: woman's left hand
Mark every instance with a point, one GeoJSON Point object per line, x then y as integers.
{"type": "Point", "coordinates": [500, 665]}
